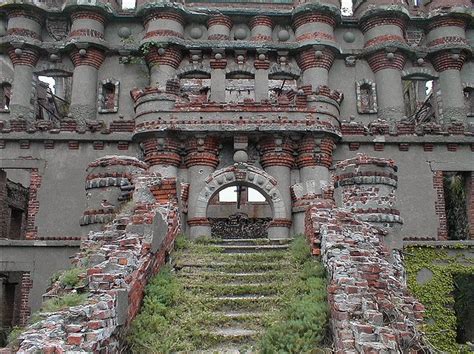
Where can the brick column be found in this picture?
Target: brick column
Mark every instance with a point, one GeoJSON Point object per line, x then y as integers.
{"type": "Point", "coordinates": [163, 63]}
{"type": "Point", "coordinates": [4, 212]}
{"type": "Point", "coordinates": [24, 305]}
{"type": "Point", "coordinates": [276, 158]}
{"type": "Point", "coordinates": [386, 63]}
{"type": "Point", "coordinates": [201, 159]}
{"type": "Point", "coordinates": [315, 155]}
{"type": "Point", "coordinates": [440, 205]}
{"type": "Point", "coordinates": [219, 28]}
{"type": "Point", "coordinates": [449, 32]}
{"type": "Point", "coordinates": [315, 62]}
{"type": "Point", "coordinates": [218, 65]}
{"type": "Point", "coordinates": [163, 155]}
{"type": "Point", "coordinates": [22, 100]}
{"type": "Point", "coordinates": [88, 28]}
{"type": "Point", "coordinates": [261, 31]}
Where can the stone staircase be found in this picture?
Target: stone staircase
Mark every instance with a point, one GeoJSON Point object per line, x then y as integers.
{"type": "Point", "coordinates": [240, 282]}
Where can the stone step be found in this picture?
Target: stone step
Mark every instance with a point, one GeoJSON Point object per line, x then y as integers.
{"type": "Point", "coordinates": [232, 267]}
{"type": "Point", "coordinates": [246, 289]}
{"type": "Point", "coordinates": [244, 303]}
{"type": "Point", "coordinates": [250, 248]}
{"type": "Point", "coordinates": [249, 241]}
{"type": "Point", "coordinates": [274, 256]}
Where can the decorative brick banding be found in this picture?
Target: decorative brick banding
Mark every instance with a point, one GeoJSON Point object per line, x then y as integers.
{"type": "Point", "coordinates": [307, 59]}
{"type": "Point", "coordinates": [220, 20]}
{"type": "Point", "coordinates": [166, 15]}
{"type": "Point", "coordinates": [88, 15]}
{"type": "Point", "coordinates": [163, 33]}
{"type": "Point", "coordinates": [172, 56]}
{"type": "Point", "coordinates": [446, 21]}
{"type": "Point", "coordinates": [35, 16]}
{"type": "Point", "coordinates": [376, 21]}
{"type": "Point", "coordinates": [94, 57]}
{"type": "Point", "coordinates": [86, 32]}
{"type": "Point", "coordinates": [261, 21]}
{"type": "Point", "coordinates": [444, 61]}
{"type": "Point", "coordinates": [276, 153]}
{"type": "Point", "coordinates": [202, 152]}
{"type": "Point", "coordinates": [310, 17]}
{"type": "Point", "coordinates": [384, 39]}
{"type": "Point", "coordinates": [166, 152]}
{"type": "Point", "coordinates": [23, 32]}
{"type": "Point", "coordinates": [29, 56]}
{"type": "Point", "coordinates": [281, 223]}
{"type": "Point", "coordinates": [379, 61]}
{"type": "Point", "coordinates": [199, 222]}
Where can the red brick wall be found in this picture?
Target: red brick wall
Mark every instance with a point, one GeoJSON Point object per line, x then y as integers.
{"type": "Point", "coordinates": [440, 205]}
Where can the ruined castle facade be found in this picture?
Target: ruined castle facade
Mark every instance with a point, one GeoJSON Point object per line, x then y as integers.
{"type": "Point", "coordinates": [261, 95]}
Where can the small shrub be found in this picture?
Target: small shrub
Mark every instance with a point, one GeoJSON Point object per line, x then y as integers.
{"type": "Point", "coordinates": [63, 302]}
{"type": "Point", "coordinates": [12, 338]}
{"type": "Point", "coordinates": [181, 242]}
{"type": "Point", "coordinates": [72, 277]}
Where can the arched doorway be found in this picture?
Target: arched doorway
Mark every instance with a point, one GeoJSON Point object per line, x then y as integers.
{"type": "Point", "coordinates": [247, 176]}
{"type": "Point", "coordinates": [239, 211]}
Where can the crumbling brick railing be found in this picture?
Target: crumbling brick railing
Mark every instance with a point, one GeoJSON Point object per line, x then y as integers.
{"type": "Point", "coordinates": [371, 310]}
{"type": "Point", "coordinates": [119, 261]}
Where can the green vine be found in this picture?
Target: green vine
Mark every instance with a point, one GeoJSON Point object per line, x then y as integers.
{"type": "Point", "coordinates": [146, 47]}
{"type": "Point", "coordinates": [437, 293]}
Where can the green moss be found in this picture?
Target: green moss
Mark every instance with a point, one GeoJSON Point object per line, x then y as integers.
{"type": "Point", "coordinates": [437, 294]}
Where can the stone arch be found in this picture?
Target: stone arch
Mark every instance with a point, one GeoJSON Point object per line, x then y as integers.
{"type": "Point", "coordinates": [243, 174]}
{"type": "Point", "coordinates": [193, 70]}
{"type": "Point", "coordinates": [278, 71]}
{"type": "Point", "coordinates": [418, 73]}
{"type": "Point", "coordinates": [240, 70]}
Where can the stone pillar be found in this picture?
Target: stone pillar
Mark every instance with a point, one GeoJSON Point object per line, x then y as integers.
{"type": "Point", "coordinates": [315, 61]}
{"type": "Point", "coordinates": [201, 159]}
{"type": "Point", "coordinates": [87, 29]}
{"type": "Point", "coordinates": [261, 31]}
{"type": "Point", "coordinates": [315, 154]}
{"type": "Point", "coordinates": [386, 63]}
{"type": "Point", "coordinates": [162, 154]}
{"type": "Point", "coordinates": [163, 62]}
{"type": "Point", "coordinates": [277, 160]}
{"type": "Point", "coordinates": [449, 32]}
{"type": "Point", "coordinates": [368, 187]}
{"type": "Point", "coordinates": [218, 65]}
{"type": "Point", "coordinates": [22, 100]}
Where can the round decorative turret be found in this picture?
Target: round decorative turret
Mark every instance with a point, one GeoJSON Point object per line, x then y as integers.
{"type": "Point", "coordinates": [88, 27]}
{"type": "Point", "coordinates": [108, 186]}
{"type": "Point", "coordinates": [370, 7]}
{"type": "Point", "coordinates": [367, 186]}
{"type": "Point", "coordinates": [261, 28]}
{"type": "Point", "coordinates": [219, 27]}
{"type": "Point", "coordinates": [161, 25]}
{"type": "Point", "coordinates": [24, 23]}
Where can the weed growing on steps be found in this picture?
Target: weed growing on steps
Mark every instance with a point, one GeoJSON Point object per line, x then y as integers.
{"type": "Point", "coordinates": [183, 308]}
{"type": "Point", "coordinates": [64, 301]}
{"type": "Point", "coordinates": [302, 325]}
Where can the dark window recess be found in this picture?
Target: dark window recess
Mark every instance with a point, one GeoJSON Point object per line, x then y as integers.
{"type": "Point", "coordinates": [9, 303]}
{"type": "Point", "coordinates": [464, 307]}
{"type": "Point", "coordinates": [16, 223]}
{"type": "Point", "coordinates": [109, 96]}
{"type": "Point", "coordinates": [5, 93]}
{"type": "Point", "coordinates": [455, 194]}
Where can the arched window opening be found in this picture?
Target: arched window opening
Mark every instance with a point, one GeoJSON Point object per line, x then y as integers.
{"type": "Point", "coordinates": [52, 96]}
{"type": "Point", "coordinates": [419, 99]}
{"type": "Point", "coordinates": [228, 195]}
{"type": "Point", "coordinates": [128, 4]}
{"type": "Point", "coordinates": [5, 94]}
{"type": "Point", "coordinates": [255, 196]}
{"type": "Point", "coordinates": [109, 96]}
{"type": "Point", "coordinates": [366, 97]}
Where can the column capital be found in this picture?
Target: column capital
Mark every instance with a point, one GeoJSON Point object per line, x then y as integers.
{"type": "Point", "coordinates": [162, 151]}
{"type": "Point", "coordinates": [202, 151]}
{"type": "Point", "coordinates": [382, 59]}
{"type": "Point", "coordinates": [446, 60]}
{"type": "Point", "coordinates": [315, 58]}
{"type": "Point", "coordinates": [91, 57]}
{"type": "Point", "coordinates": [23, 56]}
{"type": "Point", "coordinates": [276, 151]}
{"type": "Point", "coordinates": [170, 56]}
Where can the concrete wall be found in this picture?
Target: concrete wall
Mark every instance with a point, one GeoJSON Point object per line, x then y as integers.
{"type": "Point", "coordinates": [42, 259]}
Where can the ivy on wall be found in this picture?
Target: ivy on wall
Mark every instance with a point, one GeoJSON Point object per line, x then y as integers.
{"type": "Point", "coordinates": [436, 293]}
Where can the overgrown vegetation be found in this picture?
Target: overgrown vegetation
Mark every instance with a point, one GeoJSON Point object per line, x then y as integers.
{"type": "Point", "coordinates": [180, 311]}
{"type": "Point", "coordinates": [303, 324]}
{"type": "Point", "coordinates": [72, 277]}
{"type": "Point", "coordinates": [456, 205]}
{"type": "Point", "coordinates": [63, 302]}
{"type": "Point", "coordinates": [437, 293]}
